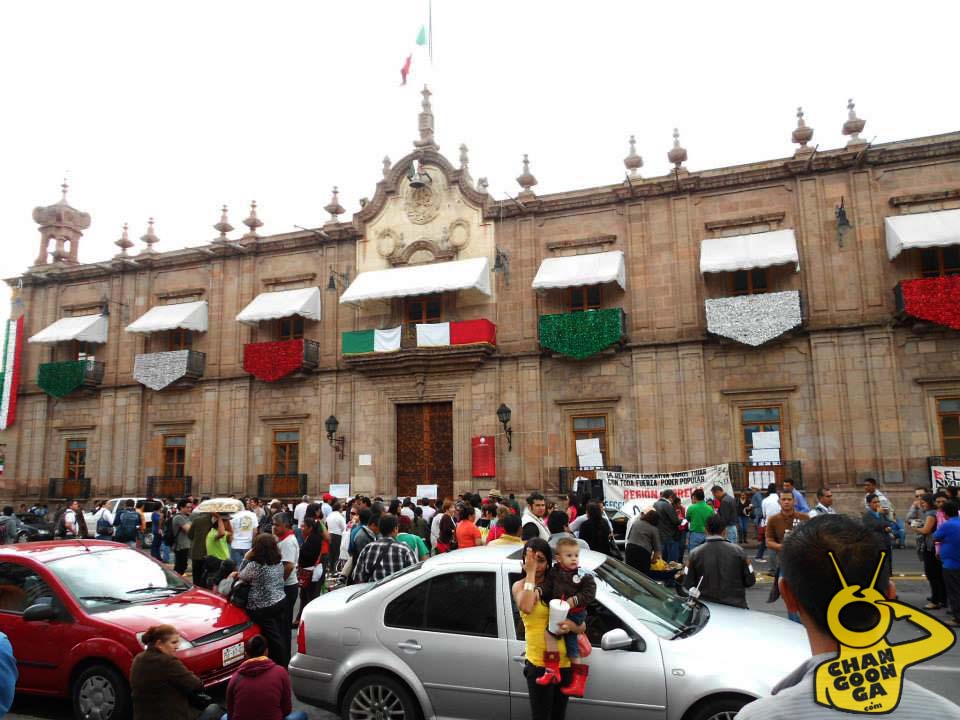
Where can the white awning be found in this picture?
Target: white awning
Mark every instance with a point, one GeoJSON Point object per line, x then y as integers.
{"type": "Point", "coordinates": [84, 328]}
{"type": "Point", "coordinates": [284, 303]}
{"type": "Point", "coordinates": [923, 230]}
{"type": "Point", "coordinates": [473, 274]}
{"type": "Point", "coordinates": [577, 270]}
{"type": "Point", "coordinates": [189, 316]}
{"type": "Point", "coordinates": [745, 252]}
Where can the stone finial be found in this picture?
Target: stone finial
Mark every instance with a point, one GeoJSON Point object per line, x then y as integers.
{"type": "Point", "coordinates": [632, 161]}
{"type": "Point", "coordinates": [426, 123]}
{"type": "Point", "coordinates": [334, 207]}
{"type": "Point", "coordinates": [678, 153]}
{"type": "Point", "coordinates": [149, 238]}
{"type": "Point", "coordinates": [464, 160]}
{"type": "Point", "coordinates": [483, 185]}
{"type": "Point", "coordinates": [526, 180]}
{"type": "Point", "coordinates": [802, 134]}
{"type": "Point", "coordinates": [124, 242]}
{"type": "Point", "coordinates": [853, 126]}
{"type": "Point", "coordinates": [252, 222]}
{"type": "Point", "coordinates": [224, 226]}
{"type": "Point", "coordinates": [386, 165]}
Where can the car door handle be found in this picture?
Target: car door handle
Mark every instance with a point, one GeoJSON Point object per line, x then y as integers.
{"type": "Point", "coordinates": [519, 658]}
{"type": "Point", "coordinates": [410, 646]}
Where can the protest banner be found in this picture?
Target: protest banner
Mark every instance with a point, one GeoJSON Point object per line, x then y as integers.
{"type": "Point", "coordinates": [620, 487]}
{"type": "Point", "coordinates": [942, 477]}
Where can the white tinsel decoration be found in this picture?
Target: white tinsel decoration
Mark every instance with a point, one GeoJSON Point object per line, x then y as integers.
{"type": "Point", "coordinates": [754, 319]}
{"type": "Point", "coordinates": [157, 370]}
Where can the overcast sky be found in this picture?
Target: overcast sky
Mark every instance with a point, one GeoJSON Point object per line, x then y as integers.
{"type": "Point", "coordinates": [173, 109]}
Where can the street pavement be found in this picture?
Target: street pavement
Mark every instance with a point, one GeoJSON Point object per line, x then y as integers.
{"type": "Point", "coordinates": [940, 675]}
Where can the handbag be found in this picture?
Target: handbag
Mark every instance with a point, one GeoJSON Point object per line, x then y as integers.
{"type": "Point", "coordinates": [199, 699]}
{"type": "Point", "coordinates": [239, 594]}
{"type": "Point", "coordinates": [583, 642]}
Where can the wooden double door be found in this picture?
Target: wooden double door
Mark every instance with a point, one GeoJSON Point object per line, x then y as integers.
{"type": "Point", "coordinates": [425, 448]}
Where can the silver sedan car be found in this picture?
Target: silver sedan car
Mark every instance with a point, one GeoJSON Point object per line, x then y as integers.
{"type": "Point", "coordinates": [443, 639]}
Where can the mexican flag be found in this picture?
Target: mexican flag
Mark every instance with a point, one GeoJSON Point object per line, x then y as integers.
{"type": "Point", "coordinates": [368, 341]}
{"type": "Point", "coordinates": [421, 42]}
{"type": "Point", "coordinates": [465, 332]}
{"type": "Point", "coordinates": [10, 370]}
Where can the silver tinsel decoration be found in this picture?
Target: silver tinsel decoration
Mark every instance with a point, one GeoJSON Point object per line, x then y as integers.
{"type": "Point", "coordinates": [754, 319]}
{"type": "Point", "coordinates": [157, 370]}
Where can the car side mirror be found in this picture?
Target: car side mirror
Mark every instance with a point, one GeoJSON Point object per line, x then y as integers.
{"type": "Point", "coordinates": [39, 612]}
{"type": "Point", "coordinates": [616, 639]}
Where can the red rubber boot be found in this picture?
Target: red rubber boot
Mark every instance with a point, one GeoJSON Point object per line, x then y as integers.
{"type": "Point", "coordinates": [578, 685]}
{"type": "Point", "coordinates": [551, 661]}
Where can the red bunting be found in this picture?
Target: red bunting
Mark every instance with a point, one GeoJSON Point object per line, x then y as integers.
{"type": "Point", "coordinates": [936, 300]}
{"type": "Point", "coordinates": [271, 361]}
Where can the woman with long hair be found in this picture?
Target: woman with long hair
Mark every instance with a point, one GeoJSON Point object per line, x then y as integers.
{"type": "Point", "coordinates": [161, 687]}
{"type": "Point", "coordinates": [310, 564]}
{"type": "Point", "coordinates": [928, 553]}
{"type": "Point", "coordinates": [546, 701]}
{"type": "Point", "coordinates": [263, 571]}
{"type": "Point", "coordinates": [596, 531]}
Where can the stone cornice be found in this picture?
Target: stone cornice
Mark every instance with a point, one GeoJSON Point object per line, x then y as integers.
{"type": "Point", "coordinates": [782, 170]}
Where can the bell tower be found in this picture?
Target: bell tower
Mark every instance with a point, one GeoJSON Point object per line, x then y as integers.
{"type": "Point", "coordinates": [62, 224]}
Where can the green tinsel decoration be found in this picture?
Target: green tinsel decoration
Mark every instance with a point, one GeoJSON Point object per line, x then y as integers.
{"type": "Point", "coordinates": [61, 378]}
{"type": "Point", "coordinates": [580, 335]}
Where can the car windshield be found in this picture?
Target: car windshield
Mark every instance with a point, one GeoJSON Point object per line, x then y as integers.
{"type": "Point", "coordinates": [663, 612]}
{"type": "Point", "coordinates": [103, 580]}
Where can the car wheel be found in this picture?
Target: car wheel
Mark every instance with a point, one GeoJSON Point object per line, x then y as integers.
{"type": "Point", "coordinates": [100, 693]}
{"type": "Point", "coordinates": [720, 708]}
{"type": "Point", "coordinates": [378, 697]}
{"type": "Point", "coordinates": [22, 537]}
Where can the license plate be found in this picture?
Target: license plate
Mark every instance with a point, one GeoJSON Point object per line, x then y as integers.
{"type": "Point", "coordinates": [233, 653]}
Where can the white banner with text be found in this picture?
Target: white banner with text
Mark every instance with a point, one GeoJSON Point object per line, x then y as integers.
{"type": "Point", "coordinates": [620, 487]}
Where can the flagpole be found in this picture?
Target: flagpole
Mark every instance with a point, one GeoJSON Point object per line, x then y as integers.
{"type": "Point", "coordinates": [430, 29]}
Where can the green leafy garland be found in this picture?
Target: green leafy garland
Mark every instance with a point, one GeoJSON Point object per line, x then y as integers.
{"type": "Point", "coordinates": [580, 335]}
{"type": "Point", "coordinates": [61, 378]}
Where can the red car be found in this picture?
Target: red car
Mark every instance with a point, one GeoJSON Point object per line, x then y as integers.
{"type": "Point", "coordinates": [75, 610]}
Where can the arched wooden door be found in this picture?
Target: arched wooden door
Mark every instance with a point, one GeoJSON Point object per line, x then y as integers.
{"type": "Point", "coordinates": [425, 448]}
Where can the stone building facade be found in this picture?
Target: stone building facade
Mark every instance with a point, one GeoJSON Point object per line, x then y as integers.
{"type": "Point", "coordinates": [847, 345]}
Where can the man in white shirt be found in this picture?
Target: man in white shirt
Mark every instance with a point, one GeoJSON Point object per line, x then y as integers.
{"type": "Point", "coordinates": [407, 509]}
{"type": "Point", "coordinates": [428, 510]}
{"type": "Point", "coordinates": [289, 556]}
{"type": "Point", "coordinates": [301, 510]}
{"type": "Point", "coordinates": [244, 528]}
{"type": "Point", "coordinates": [336, 526]}
{"type": "Point", "coordinates": [769, 508]}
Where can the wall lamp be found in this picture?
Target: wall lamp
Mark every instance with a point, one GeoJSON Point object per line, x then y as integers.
{"type": "Point", "coordinates": [336, 441]}
{"type": "Point", "coordinates": [843, 223]}
{"type": "Point", "coordinates": [503, 415]}
{"type": "Point", "coordinates": [501, 264]}
{"type": "Point", "coordinates": [343, 277]}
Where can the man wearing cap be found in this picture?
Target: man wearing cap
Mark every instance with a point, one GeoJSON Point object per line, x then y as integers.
{"type": "Point", "coordinates": [326, 507]}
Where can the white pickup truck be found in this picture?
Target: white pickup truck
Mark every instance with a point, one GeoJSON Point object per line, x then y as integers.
{"type": "Point", "coordinates": [113, 504]}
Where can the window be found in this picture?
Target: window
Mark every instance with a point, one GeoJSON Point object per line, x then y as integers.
{"type": "Point", "coordinates": [758, 419]}
{"type": "Point", "coordinates": [462, 603]}
{"type": "Point", "coordinates": [940, 261]}
{"type": "Point", "coordinates": [425, 309]}
{"type": "Point", "coordinates": [174, 455]}
{"type": "Point", "coordinates": [75, 460]}
{"type": "Point", "coordinates": [948, 417]}
{"type": "Point", "coordinates": [179, 339]}
{"type": "Point", "coordinates": [286, 452]}
{"type": "Point", "coordinates": [586, 297]}
{"type": "Point", "coordinates": [586, 427]}
{"type": "Point", "coordinates": [21, 587]}
{"type": "Point", "coordinates": [750, 282]}
{"type": "Point", "coordinates": [290, 328]}
{"type": "Point", "coordinates": [83, 350]}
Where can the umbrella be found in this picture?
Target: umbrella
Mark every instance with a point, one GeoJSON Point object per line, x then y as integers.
{"type": "Point", "coordinates": [219, 505]}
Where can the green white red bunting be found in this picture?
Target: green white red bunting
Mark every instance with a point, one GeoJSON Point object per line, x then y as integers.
{"type": "Point", "coordinates": [10, 374]}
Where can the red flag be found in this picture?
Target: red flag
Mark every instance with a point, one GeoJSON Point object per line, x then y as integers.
{"type": "Point", "coordinates": [405, 70]}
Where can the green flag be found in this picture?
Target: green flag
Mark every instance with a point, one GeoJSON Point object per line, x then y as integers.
{"type": "Point", "coordinates": [422, 36]}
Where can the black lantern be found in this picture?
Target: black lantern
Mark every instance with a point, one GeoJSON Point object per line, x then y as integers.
{"type": "Point", "coordinates": [843, 223]}
{"type": "Point", "coordinates": [343, 277]}
{"type": "Point", "coordinates": [503, 415]}
{"type": "Point", "coordinates": [336, 441]}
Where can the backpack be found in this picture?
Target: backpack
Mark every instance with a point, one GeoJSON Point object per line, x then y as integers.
{"type": "Point", "coordinates": [169, 537]}
{"type": "Point", "coordinates": [128, 522]}
{"type": "Point", "coordinates": [60, 525]}
{"type": "Point", "coordinates": [103, 525]}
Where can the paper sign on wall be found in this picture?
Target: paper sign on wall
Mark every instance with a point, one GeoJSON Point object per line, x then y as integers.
{"type": "Point", "coordinates": [766, 440]}
{"type": "Point", "coordinates": [364, 460]}
{"type": "Point", "coordinates": [592, 460]}
{"type": "Point", "coordinates": [427, 491]}
{"type": "Point", "coordinates": [765, 455]}
{"type": "Point", "coordinates": [761, 478]}
{"type": "Point", "coordinates": [341, 490]}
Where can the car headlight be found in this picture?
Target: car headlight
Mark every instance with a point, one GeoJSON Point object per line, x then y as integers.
{"type": "Point", "coordinates": [184, 643]}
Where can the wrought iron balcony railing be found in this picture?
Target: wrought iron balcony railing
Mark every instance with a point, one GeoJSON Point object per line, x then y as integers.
{"type": "Point", "coordinates": [63, 488]}
{"type": "Point", "coordinates": [760, 475]}
{"type": "Point", "coordinates": [282, 486]}
{"type": "Point", "coordinates": [569, 474]}
{"type": "Point", "coordinates": [59, 379]}
{"type": "Point", "coordinates": [161, 486]}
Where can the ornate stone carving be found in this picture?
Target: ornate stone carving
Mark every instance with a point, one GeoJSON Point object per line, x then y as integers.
{"type": "Point", "coordinates": [388, 242]}
{"type": "Point", "coordinates": [422, 204]}
{"type": "Point", "coordinates": [458, 235]}
{"type": "Point", "coordinates": [422, 251]}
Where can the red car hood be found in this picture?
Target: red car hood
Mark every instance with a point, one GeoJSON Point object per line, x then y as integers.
{"type": "Point", "coordinates": [194, 613]}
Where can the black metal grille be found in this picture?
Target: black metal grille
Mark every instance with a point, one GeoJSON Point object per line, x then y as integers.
{"type": "Point", "coordinates": [281, 486]}
{"type": "Point", "coordinates": [169, 485]}
{"type": "Point", "coordinates": [785, 470]}
{"type": "Point", "coordinates": [568, 474]}
{"type": "Point", "coordinates": [68, 488]}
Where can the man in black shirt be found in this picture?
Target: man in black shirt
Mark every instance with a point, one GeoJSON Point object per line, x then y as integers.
{"type": "Point", "coordinates": [727, 510]}
{"type": "Point", "coordinates": [722, 566]}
